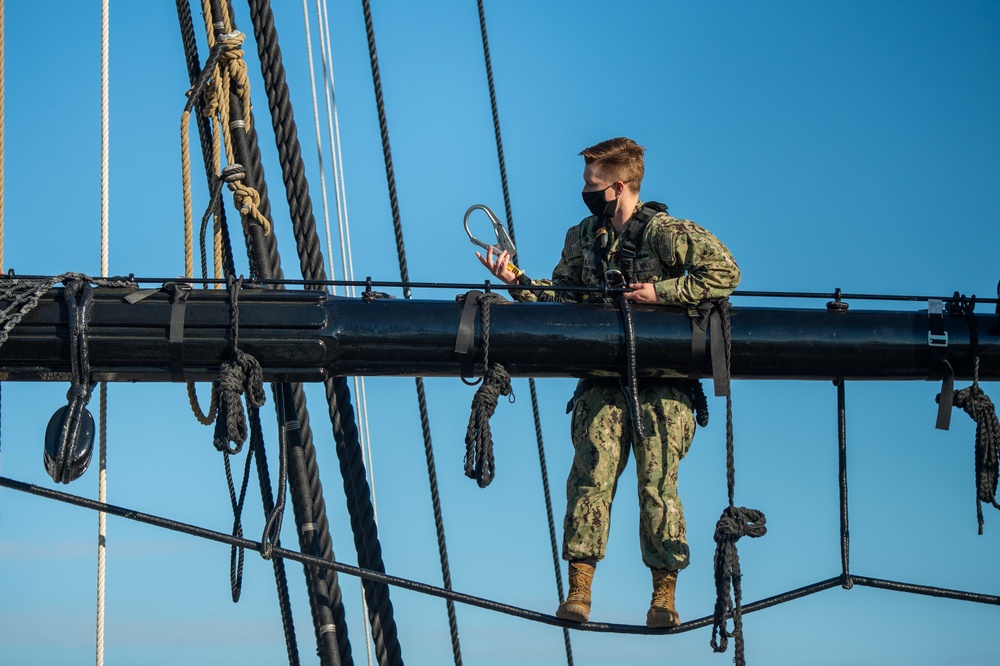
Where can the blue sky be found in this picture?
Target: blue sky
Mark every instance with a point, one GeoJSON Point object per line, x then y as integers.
{"type": "Point", "coordinates": [850, 144]}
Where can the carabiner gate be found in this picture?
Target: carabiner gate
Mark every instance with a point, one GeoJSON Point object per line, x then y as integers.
{"type": "Point", "coordinates": [503, 240]}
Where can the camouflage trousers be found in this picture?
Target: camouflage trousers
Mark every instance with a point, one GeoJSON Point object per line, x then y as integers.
{"type": "Point", "coordinates": [602, 436]}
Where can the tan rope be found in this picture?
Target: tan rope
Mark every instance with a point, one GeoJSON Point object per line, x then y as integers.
{"type": "Point", "coordinates": [229, 77]}
{"type": "Point", "coordinates": [2, 30]}
{"type": "Point", "coordinates": [186, 185]}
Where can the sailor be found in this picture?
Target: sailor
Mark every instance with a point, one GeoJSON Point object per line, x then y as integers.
{"type": "Point", "coordinates": [663, 260]}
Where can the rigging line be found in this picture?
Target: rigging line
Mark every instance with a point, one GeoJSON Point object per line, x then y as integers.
{"type": "Point", "coordinates": [531, 382]}
{"type": "Point", "coordinates": [514, 611]}
{"type": "Point", "coordinates": [3, 29]}
{"type": "Point", "coordinates": [338, 395]}
{"type": "Point", "coordinates": [404, 275]}
{"type": "Point", "coordinates": [102, 457]}
{"type": "Point", "coordinates": [358, 384]}
{"type": "Point", "coordinates": [344, 233]}
{"type": "Point", "coordinates": [343, 222]}
{"type": "Point", "coordinates": [319, 140]}
{"type": "Point", "coordinates": [333, 131]}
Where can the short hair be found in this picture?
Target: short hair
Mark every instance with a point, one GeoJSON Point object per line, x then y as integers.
{"type": "Point", "coordinates": [617, 159]}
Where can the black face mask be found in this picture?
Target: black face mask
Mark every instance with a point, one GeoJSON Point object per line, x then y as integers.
{"type": "Point", "coordinates": [596, 204]}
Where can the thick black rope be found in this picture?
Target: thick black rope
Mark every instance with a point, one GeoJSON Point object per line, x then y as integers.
{"type": "Point", "coordinates": [980, 408]}
{"type": "Point", "coordinates": [338, 393]}
{"type": "Point", "coordinates": [423, 588]}
{"type": "Point", "coordinates": [734, 523]}
{"type": "Point", "coordinates": [531, 381]}
{"type": "Point", "coordinates": [404, 276]}
{"type": "Point", "coordinates": [479, 461]}
{"type": "Point", "coordinates": [324, 592]}
{"type": "Point", "coordinates": [242, 374]}
{"type": "Point", "coordinates": [631, 387]}
{"type": "Point", "coordinates": [310, 255]}
{"type": "Point", "coordinates": [189, 40]}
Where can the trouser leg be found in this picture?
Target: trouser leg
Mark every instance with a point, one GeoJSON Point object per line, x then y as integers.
{"type": "Point", "coordinates": [600, 456]}
{"type": "Point", "coordinates": [670, 430]}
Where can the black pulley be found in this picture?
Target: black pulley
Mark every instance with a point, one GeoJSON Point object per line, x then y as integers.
{"type": "Point", "coordinates": [69, 442]}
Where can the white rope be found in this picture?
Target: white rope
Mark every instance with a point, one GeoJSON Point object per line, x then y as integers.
{"type": "Point", "coordinates": [3, 29]}
{"type": "Point", "coordinates": [102, 490]}
{"type": "Point", "coordinates": [333, 131]}
{"type": "Point", "coordinates": [319, 143]}
{"type": "Point", "coordinates": [343, 227]}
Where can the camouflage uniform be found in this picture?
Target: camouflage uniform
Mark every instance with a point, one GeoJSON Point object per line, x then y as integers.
{"type": "Point", "coordinates": [687, 265]}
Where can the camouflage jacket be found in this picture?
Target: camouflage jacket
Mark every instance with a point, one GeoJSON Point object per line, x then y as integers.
{"type": "Point", "coordinates": [686, 263]}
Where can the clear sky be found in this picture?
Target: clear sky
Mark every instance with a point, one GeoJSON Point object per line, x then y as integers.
{"type": "Point", "coordinates": [850, 144]}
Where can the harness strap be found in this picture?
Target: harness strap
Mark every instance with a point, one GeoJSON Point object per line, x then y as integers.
{"type": "Point", "coordinates": [632, 240]}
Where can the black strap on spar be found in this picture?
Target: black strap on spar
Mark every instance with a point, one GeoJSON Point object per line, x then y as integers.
{"type": "Point", "coordinates": [937, 340]}
{"type": "Point", "coordinates": [706, 322]}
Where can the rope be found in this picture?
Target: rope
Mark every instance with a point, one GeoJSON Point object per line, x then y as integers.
{"type": "Point", "coordinates": [734, 523]}
{"type": "Point", "coordinates": [102, 456]}
{"type": "Point", "coordinates": [479, 461]}
{"type": "Point", "coordinates": [241, 374]}
{"type": "Point", "coordinates": [3, 29]}
{"type": "Point", "coordinates": [333, 132]}
{"type": "Point", "coordinates": [631, 387]}
{"type": "Point", "coordinates": [319, 136]}
{"type": "Point", "coordinates": [327, 606]}
{"type": "Point", "coordinates": [404, 276]}
{"type": "Point", "coordinates": [211, 155]}
{"type": "Point", "coordinates": [980, 408]}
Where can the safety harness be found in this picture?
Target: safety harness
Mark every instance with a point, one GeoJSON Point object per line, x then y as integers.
{"type": "Point", "coordinates": [629, 248]}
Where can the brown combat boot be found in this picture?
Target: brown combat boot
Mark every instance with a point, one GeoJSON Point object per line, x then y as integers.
{"type": "Point", "coordinates": [661, 608]}
{"type": "Point", "coordinates": [576, 608]}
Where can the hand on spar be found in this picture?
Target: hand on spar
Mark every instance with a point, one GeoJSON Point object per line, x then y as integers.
{"type": "Point", "coordinates": [498, 265]}
{"type": "Point", "coordinates": [642, 292]}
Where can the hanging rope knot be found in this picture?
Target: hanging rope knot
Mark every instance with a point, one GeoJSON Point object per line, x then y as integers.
{"type": "Point", "coordinates": [246, 198]}
{"type": "Point", "coordinates": [980, 408]}
{"type": "Point", "coordinates": [737, 522]}
{"type": "Point", "coordinates": [479, 461]}
{"type": "Point", "coordinates": [242, 374]}
{"type": "Point", "coordinates": [734, 523]}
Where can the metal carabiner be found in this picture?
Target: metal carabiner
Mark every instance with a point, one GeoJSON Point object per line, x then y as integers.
{"type": "Point", "coordinates": [503, 240]}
